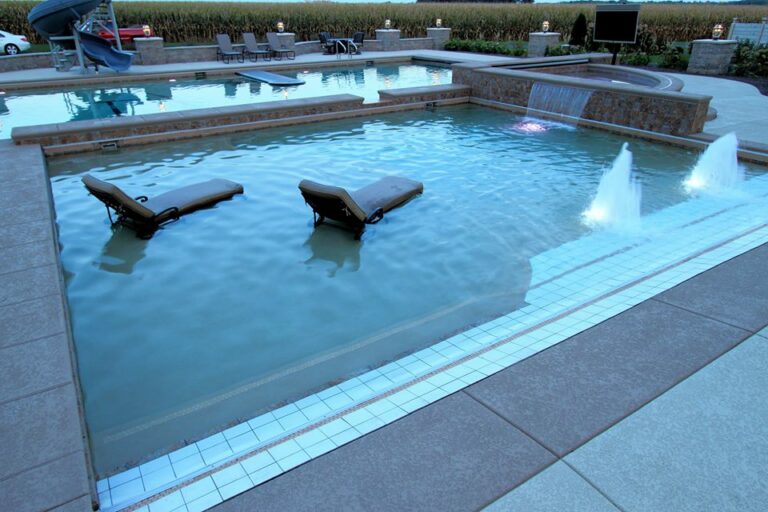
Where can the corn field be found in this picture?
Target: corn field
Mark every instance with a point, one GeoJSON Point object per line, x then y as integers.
{"type": "Point", "coordinates": [188, 22]}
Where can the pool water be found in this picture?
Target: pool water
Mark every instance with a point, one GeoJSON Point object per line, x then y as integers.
{"type": "Point", "coordinates": [112, 100]}
{"type": "Point", "coordinates": [236, 309]}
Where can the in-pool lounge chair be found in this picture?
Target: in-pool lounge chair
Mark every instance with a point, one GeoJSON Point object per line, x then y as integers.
{"type": "Point", "coordinates": [225, 51]}
{"type": "Point", "coordinates": [147, 215]}
{"type": "Point", "coordinates": [279, 49]}
{"type": "Point", "coordinates": [252, 50]}
{"type": "Point", "coordinates": [356, 209]}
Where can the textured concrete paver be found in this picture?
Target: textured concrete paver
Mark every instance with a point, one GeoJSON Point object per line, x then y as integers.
{"type": "Point", "coordinates": [47, 486]}
{"type": "Point", "coordinates": [733, 292]}
{"type": "Point", "coordinates": [33, 367]}
{"type": "Point", "coordinates": [31, 438]}
{"type": "Point", "coordinates": [566, 395]}
{"type": "Point", "coordinates": [31, 320]}
{"type": "Point", "coordinates": [700, 447]}
{"type": "Point", "coordinates": [453, 455]}
{"type": "Point", "coordinates": [556, 489]}
{"type": "Point", "coordinates": [43, 455]}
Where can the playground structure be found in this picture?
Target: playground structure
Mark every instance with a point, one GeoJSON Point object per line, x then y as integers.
{"type": "Point", "coordinates": [68, 27]}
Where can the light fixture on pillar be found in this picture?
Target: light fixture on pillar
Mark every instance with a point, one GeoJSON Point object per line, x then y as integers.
{"type": "Point", "coordinates": [387, 24]}
{"type": "Point", "coordinates": [717, 32]}
{"type": "Point", "coordinates": [545, 26]}
{"type": "Point", "coordinates": [438, 23]}
{"type": "Point", "coordinates": [147, 30]}
{"type": "Point", "coordinates": [280, 26]}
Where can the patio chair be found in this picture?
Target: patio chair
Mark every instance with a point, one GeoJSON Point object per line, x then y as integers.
{"type": "Point", "coordinates": [361, 207]}
{"type": "Point", "coordinates": [146, 215]}
{"type": "Point", "coordinates": [278, 48]}
{"type": "Point", "coordinates": [225, 51]}
{"type": "Point", "coordinates": [252, 50]}
{"type": "Point", "coordinates": [358, 38]}
{"type": "Point", "coordinates": [327, 43]}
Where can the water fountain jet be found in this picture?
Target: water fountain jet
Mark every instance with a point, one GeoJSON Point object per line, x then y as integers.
{"type": "Point", "coordinates": [617, 202]}
{"type": "Point", "coordinates": [717, 169]}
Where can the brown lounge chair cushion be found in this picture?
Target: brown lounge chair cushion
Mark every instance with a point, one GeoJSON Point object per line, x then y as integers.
{"type": "Point", "coordinates": [385, 194]}
{"type": "Point", "coordinates": [166, 206]}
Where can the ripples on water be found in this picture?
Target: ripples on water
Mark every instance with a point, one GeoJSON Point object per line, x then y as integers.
{"type": "Point", "coordinates": [236, 308]}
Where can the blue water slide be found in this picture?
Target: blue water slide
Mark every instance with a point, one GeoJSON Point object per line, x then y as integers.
{"type": "Point", "coordinates": [100, 51]}
{"type": "Point", "coordinates": [55, 18]}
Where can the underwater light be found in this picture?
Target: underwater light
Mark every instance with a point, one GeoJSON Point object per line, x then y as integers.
{"type": "Point", "coordinates": [594, 214]}
{"type": "Point", "coordinates": [2, 92]}
{"type": "Point", "coordinates": [172, 80]}
{"type": "Point", "coordinates": [695, 183]}
{"type": "Point", "coordinates": [530, 127]}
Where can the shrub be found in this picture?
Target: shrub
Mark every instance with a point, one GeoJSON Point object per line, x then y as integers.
{"type": "Point", "coordinates": [556, 51]}
{"type": "Point", "coordinates": [750, 60]}
{"type": "Point", "coordinates": [579, 31]}
{"type": "Point", "coordinates": [470, 45]}
{"type": "Point", "coordinates": [635, 59]}
{"type": "Point", "coordinates": [674, 57]}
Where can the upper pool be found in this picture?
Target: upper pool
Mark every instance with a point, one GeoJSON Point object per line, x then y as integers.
{"type": "Point", "coordinates": [43, 106]}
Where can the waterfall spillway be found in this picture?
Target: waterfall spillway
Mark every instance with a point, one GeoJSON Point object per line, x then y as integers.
{"type": "Point", "coordinates": [558, 99]}
{"type": "Point", "coordinates": [717, 169]}
{"type": "Point", "coordinates": [617, 202]}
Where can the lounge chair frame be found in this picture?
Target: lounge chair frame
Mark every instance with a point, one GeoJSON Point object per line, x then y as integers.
{"type": "Point", "coordinates": [226, 51]}
{"type": "Point", "coordinates": [277, 49]}
{"type": "Point", "coordinates": [251, 48]}
{"type": "Point", "coordinates": [345, 208]}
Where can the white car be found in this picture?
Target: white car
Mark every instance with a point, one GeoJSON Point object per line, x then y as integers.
{"type": "Point", "coordinates": [12, 44]}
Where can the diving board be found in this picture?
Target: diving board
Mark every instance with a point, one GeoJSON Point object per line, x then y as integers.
{"type": "Point", "coordinates": [270, 78]}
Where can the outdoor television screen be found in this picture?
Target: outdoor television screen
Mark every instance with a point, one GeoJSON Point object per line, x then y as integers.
{"type": "Point", "coordinates": [616, 23]}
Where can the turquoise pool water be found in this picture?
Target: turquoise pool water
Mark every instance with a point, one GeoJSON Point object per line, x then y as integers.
{"type": "Point", "coordinates": [55, 106]}
{"type": "Point", "coordinates": [239, 308]}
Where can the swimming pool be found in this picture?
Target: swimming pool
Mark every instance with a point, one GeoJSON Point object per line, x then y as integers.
{"type": "Point", "coordinates": [111, 100]}
{"type": "Point", "coordinates": [237, 309]}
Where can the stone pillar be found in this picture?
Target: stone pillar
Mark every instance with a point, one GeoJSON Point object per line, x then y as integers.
{"type": "Point", "coordinates": [439, 36]}
{"type": "Point", "coordinates": [710, 57]}
{"type": "Point", "coordinates": [150, 50]}
{"type": "Point", "coordinates": [287, 40]}
{"type": "Point", "coordinates": [538, 42]}
{"type": "Point", "coordinates": [390, 38]}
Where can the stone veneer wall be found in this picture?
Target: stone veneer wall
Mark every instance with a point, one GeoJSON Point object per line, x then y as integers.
{"type": "Point", "coordinates": [25, 61]}
{"type": "Point", "coordinates": [639, 107]}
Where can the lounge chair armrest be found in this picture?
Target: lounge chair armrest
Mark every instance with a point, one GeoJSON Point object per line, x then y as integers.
{"type": "Point", "coordinates": [141, 199]}
{"type": "Point", "coordinates": [375, 217]}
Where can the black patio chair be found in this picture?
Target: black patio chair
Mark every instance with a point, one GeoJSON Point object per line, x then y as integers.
{"type": "Point", "coordinates": [252, 50]}
{"type": "Point", "coordinates": [225, 51]}
{"type": "Point", "coordinates": [278, 48]}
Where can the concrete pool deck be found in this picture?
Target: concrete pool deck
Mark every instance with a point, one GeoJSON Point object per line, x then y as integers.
{"type": "Point", "coordinates": [658, 408]}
